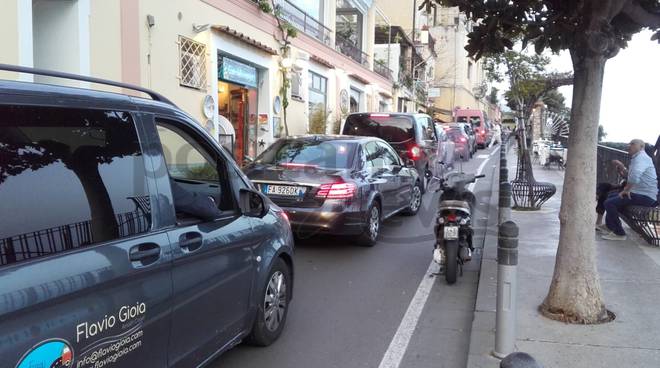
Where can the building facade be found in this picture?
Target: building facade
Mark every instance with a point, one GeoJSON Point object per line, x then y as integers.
{"type": "Point", "coordinates": [216, 59]}
{"type": "Point", "coordinates": [460, 81]}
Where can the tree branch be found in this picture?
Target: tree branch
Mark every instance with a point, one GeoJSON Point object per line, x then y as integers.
{"type": "Point", "coordinates": [641, 16]}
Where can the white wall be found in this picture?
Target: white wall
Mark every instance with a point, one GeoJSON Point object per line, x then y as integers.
{"type": "Point", "coordinates": [61, 36]}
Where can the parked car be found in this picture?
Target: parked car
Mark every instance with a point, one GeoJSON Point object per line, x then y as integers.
{"type": "Point", "coordinates": [461, 142]}
{"type": "Point", "coordinates": [341, 185]}
{"type": "Point", "coordinates": [477, 119]}
{"type": "Point", "coordinates": [129, 237]}
{"type": "Point", "coordinates": [469, 133]}
{"type": "Point", "coordinates": [411, 135]}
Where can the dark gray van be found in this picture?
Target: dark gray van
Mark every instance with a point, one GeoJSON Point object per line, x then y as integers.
{"type": "Point", "coordinates": [108, 255]}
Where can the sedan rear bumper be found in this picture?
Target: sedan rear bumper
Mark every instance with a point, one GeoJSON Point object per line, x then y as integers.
{"type": "Point", "coordinates": [332, 218]}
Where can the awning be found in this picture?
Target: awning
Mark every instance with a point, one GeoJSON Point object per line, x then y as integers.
{"type": "Point", "coordinates": [241, 37]}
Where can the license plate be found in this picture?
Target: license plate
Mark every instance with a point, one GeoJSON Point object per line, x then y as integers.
{"type": "Point", "coordinates": [283, 190]}
{"type": "Point", "coordinates": [451, 233]}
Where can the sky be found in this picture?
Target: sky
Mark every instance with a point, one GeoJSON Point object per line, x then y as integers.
{"type": "Point", "coordinates": [631, 90]}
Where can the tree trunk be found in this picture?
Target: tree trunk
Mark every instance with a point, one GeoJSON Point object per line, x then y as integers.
{"type": "Point", "coordinates": [103, 222]}
{"type": "Point", "coordinates": [575, 294]}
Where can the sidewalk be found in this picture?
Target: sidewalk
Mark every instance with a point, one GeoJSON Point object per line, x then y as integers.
{"type": "Point", "coordinates": [630, 278]}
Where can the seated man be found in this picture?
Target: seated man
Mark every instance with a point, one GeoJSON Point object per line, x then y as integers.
{"type": "Point", "coordinates": [641, 190]}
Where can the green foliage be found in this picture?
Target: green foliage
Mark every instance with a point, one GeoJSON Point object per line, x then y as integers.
{"type": "Point", "coordinates": [492, 98]}
{"type": "Point", "coordinates": [601, 133]}
{"type": "Point", "coordinates": [265, 7]}
{"type": "Point", "coordinates": [317, 120]}
{"type": "Point", "coordinates": [587, 27]}
{"type": "Point", "coordinates": [202, 172]}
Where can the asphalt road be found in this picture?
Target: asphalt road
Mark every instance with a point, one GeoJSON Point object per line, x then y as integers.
{"type": "Point", "coordinates": [349, 300]}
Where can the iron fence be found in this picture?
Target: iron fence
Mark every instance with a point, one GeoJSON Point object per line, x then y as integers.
{"type": "Point", "coordinates": [382, 69]}
{"type": "Point", "coordinates": [607, 173]}
{"type": "Point", "coordinates": [350, 49]}
{"type": "Point", "coordinates": [304, 22]}
{"type": "Point", "coordinates": [71, 236]}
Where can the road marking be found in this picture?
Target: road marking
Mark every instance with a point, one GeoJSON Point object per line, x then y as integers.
{"type": "Point", "coordinates": [483, 156]}
{"type": "Point", "coordinates": [399, 344]}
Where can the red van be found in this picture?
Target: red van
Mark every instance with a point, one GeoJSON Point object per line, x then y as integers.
{"type": "Point", "coordinates": [476, 118]}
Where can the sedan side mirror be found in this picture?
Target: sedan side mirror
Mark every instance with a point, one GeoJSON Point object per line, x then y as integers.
{"type": "Point", "coordinates": [410, 163]}
{"type": "Point", "coordinates": [252, 203]}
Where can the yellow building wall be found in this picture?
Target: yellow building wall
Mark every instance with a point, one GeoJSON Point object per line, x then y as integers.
{"type": "Point", "coordinates": [9, 32]}
{"type": "Point", "coordinates": [105, 39]}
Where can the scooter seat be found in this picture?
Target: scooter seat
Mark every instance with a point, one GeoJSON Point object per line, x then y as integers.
{"type": "Point", "coordinates": [454, 205]}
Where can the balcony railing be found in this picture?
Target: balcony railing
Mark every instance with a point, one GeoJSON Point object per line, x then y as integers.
{"type": "Point", "coordinates": [382, 69]}
{"type": "Point", "coordinates": [351, 50]}
{"type": "Point", "coordinates": [304, 22]}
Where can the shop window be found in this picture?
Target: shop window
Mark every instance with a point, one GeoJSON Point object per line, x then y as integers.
{"type": "Point", "coordinates": [76, 178]}
{"type": "Point", "coordinates": [356, 100]}
{"type": "Point", "coordinates": [192, 63]}
{"type": "Point", "coordinates": [318, 92]}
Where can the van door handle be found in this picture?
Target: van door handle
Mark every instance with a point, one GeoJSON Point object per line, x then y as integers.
{"type": "Point", "coordinates": [190, 241]}
{"type": "Point", "coordinates": [145, 253]}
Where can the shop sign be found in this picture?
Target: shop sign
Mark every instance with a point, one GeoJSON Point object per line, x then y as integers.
{"type": "Point", "coordinates": [237, 72]}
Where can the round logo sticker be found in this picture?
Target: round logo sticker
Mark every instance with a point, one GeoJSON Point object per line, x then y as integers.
{"type": "Point", "coordinates": [55, 353]}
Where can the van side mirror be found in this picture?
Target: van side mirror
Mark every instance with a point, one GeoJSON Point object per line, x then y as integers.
{"type": "Point", "coordinates": [252, 203]}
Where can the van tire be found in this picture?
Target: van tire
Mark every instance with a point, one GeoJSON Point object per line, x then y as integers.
{"type": "Point", "coordinates": [261, 334]}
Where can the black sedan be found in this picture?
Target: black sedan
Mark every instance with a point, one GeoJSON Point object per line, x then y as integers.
{"type": "Point", "coordinates": [341, 185]}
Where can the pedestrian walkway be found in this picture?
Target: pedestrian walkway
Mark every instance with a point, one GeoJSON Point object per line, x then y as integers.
{"type": "Point", "coordinates": [630, 279]}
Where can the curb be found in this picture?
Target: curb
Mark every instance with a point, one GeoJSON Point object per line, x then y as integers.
{"type": "Point", "coordinates": [482, 333]}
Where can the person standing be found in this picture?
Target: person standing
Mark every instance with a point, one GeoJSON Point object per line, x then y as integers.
{"type": "Point", "coordinates": [497, 135]}
{"type": "Point", "coordinates": [657, 162]}
{"type": "Point", "coordinates": [641, 189]}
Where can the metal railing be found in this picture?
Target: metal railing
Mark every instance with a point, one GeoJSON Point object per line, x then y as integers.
{"type": "Point", "coordinates": [350, 49]}
{"type": "Point", "coordinates": [304, 22]}
{"type": "Point", "coordinates": [382, 69]}
{"type": "Point", "coordinates": [606, 172]}
{"type": "Point", "coordinates": [71, 236]}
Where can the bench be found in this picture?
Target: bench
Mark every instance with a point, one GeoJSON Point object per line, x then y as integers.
{"type": "Point", "coordinates": [527, 193]}
{"type": "Point", "coordinates": [645, 221]}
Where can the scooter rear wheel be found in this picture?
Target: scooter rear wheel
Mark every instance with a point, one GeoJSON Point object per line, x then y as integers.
{"type": "Point", "coordinates": [451, 247]}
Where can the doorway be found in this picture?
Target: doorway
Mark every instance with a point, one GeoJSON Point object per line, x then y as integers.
{"type": "Point", "coordinates": [238, 105]}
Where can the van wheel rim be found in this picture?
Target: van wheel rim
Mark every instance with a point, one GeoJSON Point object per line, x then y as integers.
{"type": "Point", "coordinates": [275, 301]}
{"type": "Point", "coordinates": [374, 223]}
{"type": "Point", "coordinates": [416, 199]}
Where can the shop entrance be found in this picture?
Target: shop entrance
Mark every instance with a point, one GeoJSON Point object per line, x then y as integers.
{"type": "Point", "coordinates": [238, 104]}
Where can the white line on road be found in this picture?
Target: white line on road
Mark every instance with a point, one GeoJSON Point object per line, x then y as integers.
{"type": "Point", "coordinates": [399, 344]}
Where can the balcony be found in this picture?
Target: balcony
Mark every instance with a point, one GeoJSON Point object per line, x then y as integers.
{"type": "Point", "coordinates": [304, 22]}
{"type": "Point", "coordinates": [382, 69]}
{"type": "Point", "coordinates": [349, 49]}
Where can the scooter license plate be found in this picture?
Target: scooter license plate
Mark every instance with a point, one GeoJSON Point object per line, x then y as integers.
{"type": "Point", "coordinates": [451, 233]}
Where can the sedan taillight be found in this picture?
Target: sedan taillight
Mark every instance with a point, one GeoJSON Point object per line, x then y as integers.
{"type": "Point", "coordinates": [337, 191]}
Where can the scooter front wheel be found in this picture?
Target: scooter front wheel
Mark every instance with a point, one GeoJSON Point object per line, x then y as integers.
{"type": "Point", "coordinates": [451, 272]}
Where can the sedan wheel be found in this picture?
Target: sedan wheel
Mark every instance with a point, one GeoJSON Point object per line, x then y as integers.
{"type": "Point", "coordinates": [415, 201]}
{"type": "Point", "coordinates": [372, 228]}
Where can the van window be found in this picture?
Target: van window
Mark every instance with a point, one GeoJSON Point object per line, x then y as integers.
{"type": "Point", "coordinates": [69, 178]}
{"type": "Point", "coordinates": [194, 167]}
{"type": "Point", "coordinates": [393, 129]}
